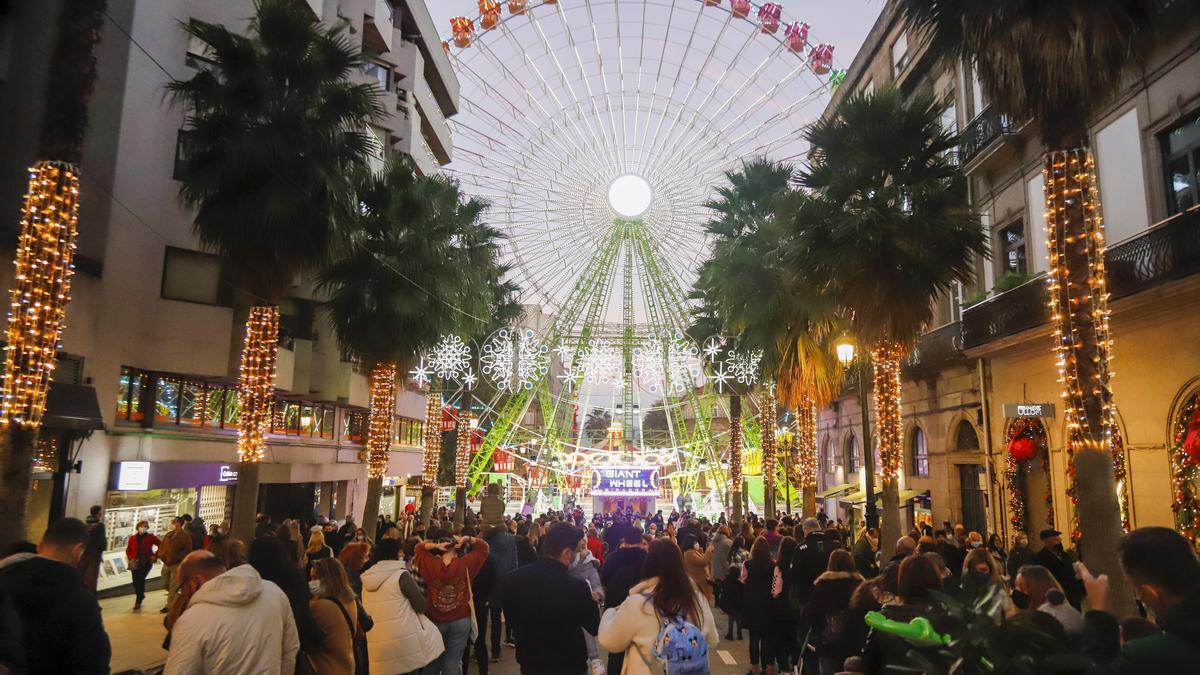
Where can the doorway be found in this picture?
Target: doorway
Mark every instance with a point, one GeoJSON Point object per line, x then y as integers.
{"type": "Point", "coordinates": [974, 517]}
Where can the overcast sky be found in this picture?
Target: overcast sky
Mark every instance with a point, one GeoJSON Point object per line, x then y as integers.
{"type": "Point", "coordinates": [842, 23]}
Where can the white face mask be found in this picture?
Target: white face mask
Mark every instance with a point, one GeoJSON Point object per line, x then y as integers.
{"type": "Point", "coordinates": [315, 587]}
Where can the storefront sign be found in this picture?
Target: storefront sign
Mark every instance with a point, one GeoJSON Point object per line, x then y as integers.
{"type": "Point", "coordinates": [1029, 410]}
{"type": "Point", "coordinates": [227, 474]}
{"type": "Point", "coordinates": [624, 481]}
{"type": "Point", "coordinates": [133, 476]}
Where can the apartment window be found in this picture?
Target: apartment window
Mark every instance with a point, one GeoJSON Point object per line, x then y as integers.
{"type": "Point", "coordinates": [950, 119]}
{"type": "Point", "coordinates": [919, 453]}
{"type": "Point", "coordinates": [191, 276]}
{"type": "Point", "coordinates": [851, 454]}
{"type": "Point", "coordinates": [1012, 248]}
{"type": "Point", "coordinates": [177, 400]}
{"type": "Point", "coordinates": [302, 418]}
{"type": "Point", "coordinates": [356, 427]}
{"type": "Point", "coordinates": [381, 74]}
{"type": "Point", "coordinates": [1181, 152]}
{"type": "Point", "coordinates": [900, 54]}
{"type": "Point", "coordinates": [199, 53]}
{"type": "Point", "coordinates": [410, 431]}
{"type": "Point", "coordinates": [829, 452]}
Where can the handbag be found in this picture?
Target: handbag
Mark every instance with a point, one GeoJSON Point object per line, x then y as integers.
{"type": "Point", "coordinates": [471, 604]}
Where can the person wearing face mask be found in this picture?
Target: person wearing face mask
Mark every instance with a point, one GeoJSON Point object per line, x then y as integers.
{"type": "Point", "coordinates": [1019, 555]}
{"type": "Point", "coordinates": [1161, 568]}
{"type": "Point", "coordinates": [140, 553]}
{"type": "Point", "coordinates": [63, 631]}
{"type": "Point", "coordinates": [981, 573]}
{"type": "Point", "coordinates": [1055, 558]}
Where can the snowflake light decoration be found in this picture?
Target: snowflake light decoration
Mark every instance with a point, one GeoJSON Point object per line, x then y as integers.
{"type": "Point", "coordinates": [713, 347]}
{"type": "Point", "coordinates": [422, 374]}
{"type": "Point", "coordinates": [533, 359]}
{"type": "Point", "coordinates": [496, 359]}
{"type": "Point", "coordinates": [671, 371]}
{"type": "Point", "coordinates": [601, 362]}
{"type": "Point", "coordinates": [450, 358]}
{"type": "Point", "coordinates": [745, 365]}
{"type": "Point", "coordinates": [649, 364]}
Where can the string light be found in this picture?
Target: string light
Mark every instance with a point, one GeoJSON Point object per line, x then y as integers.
{"type": "Point", "coordinates": [379, 427]}
{"type": "Point", "coordinates": [40, 291]}
{"type": "Point", "coordinates": [462, 450]}
{"type": "Point", "coordinates": [735, 445]}
{"type": "Point", "coordinates": [1080, 315]}
{"type": "Point", "coordinates": [1016, 498]}
{"type": "Point", "coordinates": [769, 447]}
{"type": "Point", "coordinates": [256, 395]}
{"type": "Point", "coordinates": [433, 435]}
{"type": "Point", "coordinates": [886, 358]}
{"type": "Point", "coordinates": [806, 445]}
{"type": "Point", "coordinates": [1185, 470]}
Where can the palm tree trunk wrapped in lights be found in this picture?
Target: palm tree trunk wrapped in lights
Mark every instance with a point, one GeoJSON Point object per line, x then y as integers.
{"type": "Point", "coordinates": [735, 458]}
{"type": "Point", "coordinates": [41, 284]}
{"type": "Point", "coordinates": [256, 400]}
{"type": "Point", "coordinates": [806, 453]}
{"type": "Point", "coordinates": [885, 359]}
{"type": "Point", "coordinates": [769, 448]}
{"type": "Point", "coordinates": [433, 450]}
{"type": "Point", "coordinates": [381, 419]}
{"type": "Point", "coordinates": [462, 461]}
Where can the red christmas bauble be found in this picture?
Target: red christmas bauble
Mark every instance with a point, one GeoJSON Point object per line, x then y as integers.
{"type": "Point", "coordinates": [1022, 449]}
{"type": "Point", "coordinates": [1191, 443]}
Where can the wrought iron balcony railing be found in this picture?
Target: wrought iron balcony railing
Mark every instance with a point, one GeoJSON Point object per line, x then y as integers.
{"type": "Point", "coordinates": [937, 348]}
{"type": "Point", "coordinates": [984, 130]}
{"type": "Point", "coordinates": [1166, 252]}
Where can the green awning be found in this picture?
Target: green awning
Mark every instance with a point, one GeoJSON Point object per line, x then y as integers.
{"type": "Point", "coordinates": [836, 491]}
{"type": "Point", "coordinates": [860, 497]}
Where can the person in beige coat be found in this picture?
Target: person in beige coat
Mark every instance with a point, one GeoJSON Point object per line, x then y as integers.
{"type": "Point", "coordinates": [633, 627]}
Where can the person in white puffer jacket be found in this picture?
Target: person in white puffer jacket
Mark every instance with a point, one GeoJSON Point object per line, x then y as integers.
{"type": "Point", "coordinates": [403, 639]}
{"type": "Point", "coordinates": [234, 623]}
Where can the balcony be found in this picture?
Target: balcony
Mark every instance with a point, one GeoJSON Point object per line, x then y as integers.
{"type": "Point", "coordinates": [937, 348]}
{"type": "Point", "coordinates": [981, 134]}
{"type": "Point", "coordinates": [1164, 253]}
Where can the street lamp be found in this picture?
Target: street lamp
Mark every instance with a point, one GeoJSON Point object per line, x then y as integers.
{"type": "Point", "coordinates": [846, 352]}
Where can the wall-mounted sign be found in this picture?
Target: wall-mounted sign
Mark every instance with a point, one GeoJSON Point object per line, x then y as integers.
{"type": "Point", "coordinates": [228, 474]}
{"type": "Point", "coordinates": [133, 476]}
{"type": "Point", "coordinates": [1029, 410]}
{"type": "Point", "coordinates": [624, 481]}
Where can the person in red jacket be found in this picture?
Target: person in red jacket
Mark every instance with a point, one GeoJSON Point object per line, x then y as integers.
{"type": "Point", "coordinates": [141, 552]}
{"type": "Point", "coordinates": [448, 577]}
{"type": "Point", "coordinates": [595, 545]}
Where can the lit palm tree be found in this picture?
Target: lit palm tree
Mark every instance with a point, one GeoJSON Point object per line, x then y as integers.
{"type": "Point", "coordinates": [275, 134]}
{"type": "Point", "coordinates": [885, 230]}
{"type": "Point", "coordinates": [42, 281]}
{"type": "Point", "coordinates": [1056, 63]}
{"type": "Point", "coordinates": [748, 292]}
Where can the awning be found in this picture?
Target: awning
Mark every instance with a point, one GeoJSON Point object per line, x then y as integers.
{"type": "Point", "coordinates": [860, 497]}
{"type": "Point", "coordinates": [837, 491]}
{"type": "Point", "coordinates": [73, 407]}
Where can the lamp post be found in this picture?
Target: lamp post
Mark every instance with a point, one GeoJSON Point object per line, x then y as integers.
{"type": "Point", "coordinates": [846, 355]}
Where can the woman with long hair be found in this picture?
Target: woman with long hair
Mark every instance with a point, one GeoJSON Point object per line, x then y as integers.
{"type": "Point", "coordinates": [317, 549]}
{"type": "Point", "coordinates": [335, 608]}
{"type": "Point", "coordinates": [763, 583]}
{"type": "Point", "coordinates": [827, 611]}
{"type": "Point", "coordinates": [1032, 585]}
{"type": "Point", "coordinates": [666, 593]}
{"type": "Point", "coordinates": [269, 557]}
{"type": "Point", "coordinates": [980, 573]}
{"type": "Point", "coordinates": [354, 558]}
{"type": "Point", "coordinates": [918, 576]}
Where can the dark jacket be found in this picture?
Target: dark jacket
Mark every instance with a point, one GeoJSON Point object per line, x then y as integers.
{"type": "Point", "coordinates": [1062, 567]}
{"type": "Point", "coordinates": [63, 631]}
{"type": "Point", "coordinates": [829, 603]}
{"type": "Point", "coordinates": [1018, 558]}
{"type": "Point", "coordinates": [864, 558]}
{"type": "Point", "coordinates": [758, 604]}
{"type": "Point", "coordinates": [622, 570]}
{"type": "Point", "coordinates": [1175, 650]}
{"type": "Point", "coordinates": [548, 608]}
{"type": "Point", "coordinates": [808, 562]}
{"type": "Point", "coordinates": [887, 653]}
{"type": "Point", "coordinates": [503, 553]}
{"type": "Point", "coordinates": [526, 554]}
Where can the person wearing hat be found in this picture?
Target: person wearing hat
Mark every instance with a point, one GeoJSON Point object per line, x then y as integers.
{"type": "Point", "coordinates": [1054, 558]}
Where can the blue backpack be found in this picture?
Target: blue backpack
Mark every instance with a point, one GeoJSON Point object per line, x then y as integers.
{"type": "Point", "coordinates": [680, 647]}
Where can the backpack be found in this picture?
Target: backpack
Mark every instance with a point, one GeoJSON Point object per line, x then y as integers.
{"type": "Point", "coordinates": [680, 647]}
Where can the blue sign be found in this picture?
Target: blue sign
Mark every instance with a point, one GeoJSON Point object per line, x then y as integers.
{"type": "Point", "coordinates": [614, 481]}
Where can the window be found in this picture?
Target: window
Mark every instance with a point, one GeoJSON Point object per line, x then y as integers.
{"type": "Point", "coordinates": [192, 276]}
{"type": "Point", "coordinates": [177, 400]}
{"type": "Point", "coordinates": [302, 418]}
{"type": "Point", "coordinates": [129, 391]}
{"type": "Point", "coordinates": [830, 455]}
{"type": "Point", "coordinates": [1181, 154]}
{"type": "Point", "coordinates": [1012, 248]}
{"type": "Point", "coordinates": [381, 74]}
{"type": "Point", "coordinates": [199, 53]}
{"type": "Point", "coordinates": [356, 427]}
{"type": "Point", "coordinates": [410, 431]}
{"type": "Point", "coordinates": [965, 438]}
{"type": "Point", "coordinates": [183, 149]}
{"type": "Point", "coordinates": [899, 54]}
{"type": "Point", "coordinates": [950, 119]}
{"type": "Point", "coordinates": [919, 453]}
{"type": "Point", "coordinates": [851, 457]}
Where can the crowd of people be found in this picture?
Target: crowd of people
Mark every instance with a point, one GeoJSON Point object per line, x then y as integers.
{"type": "Point", "coordinates": [618, 593]}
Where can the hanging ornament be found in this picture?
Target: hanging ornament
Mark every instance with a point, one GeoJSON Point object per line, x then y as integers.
{"type": "Point", "coordinates": [1022, 449]}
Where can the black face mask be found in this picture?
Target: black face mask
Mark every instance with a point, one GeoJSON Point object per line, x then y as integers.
{"type": "Point", "coordinates": [978, 578]}
{"type": "Point", "coordinates": [1020, 600]}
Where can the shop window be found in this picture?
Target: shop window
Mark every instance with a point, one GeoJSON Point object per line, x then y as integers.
{"type": "Point", "coordinates": [328, 416]}
{"type": "Point", "coordinates": [1181, 154]}
{"type": "Point", "coordinates": [129, 391]}
{"type": "Point", "coordinates": [166, 400]}
{"type": "Point", "coordinates": [191, 276]}
{"type": "Point", "coordinates": [356, 427]}
{"type": "Point", "coordinates": [1012, 249]}
{"type": "Point", "coordinates": [214, 406]}
{"type": "Point", "coordinates": [919, 453]}
{"type": "Point", "coordinates": [191, 404]}
{"type": "Point", "coordinates": [851, 457]}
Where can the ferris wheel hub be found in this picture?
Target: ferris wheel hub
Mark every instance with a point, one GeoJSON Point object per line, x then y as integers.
{"type": "Point", "coordinates": [630, 196]}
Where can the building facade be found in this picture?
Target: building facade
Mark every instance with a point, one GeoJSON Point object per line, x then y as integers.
{"type": "Point", "coordinates": [986, 372]}
{"type": "Point", "coordinates": [144, 390]}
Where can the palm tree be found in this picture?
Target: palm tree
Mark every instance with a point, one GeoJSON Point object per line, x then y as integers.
{"type": "Point", "coordinates": [748, 292]}
{"type": "Point", "coordinates": [1055, 63]}
{"type": "Point", "coordinates": [886, 229]}
{"type": "Point", "coordinates": [42, 279]}
{"type": "Point", "coordinates": [274, 137]}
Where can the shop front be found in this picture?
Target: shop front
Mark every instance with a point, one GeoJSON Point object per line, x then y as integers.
{"type": "Point", "coordinates": [157, 492]}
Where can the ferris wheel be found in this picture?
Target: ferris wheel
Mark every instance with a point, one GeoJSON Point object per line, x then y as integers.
{"type": "Point", "coordinates": [598, 130]}
{"type": "Point", "coordinates": [577, 112]}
